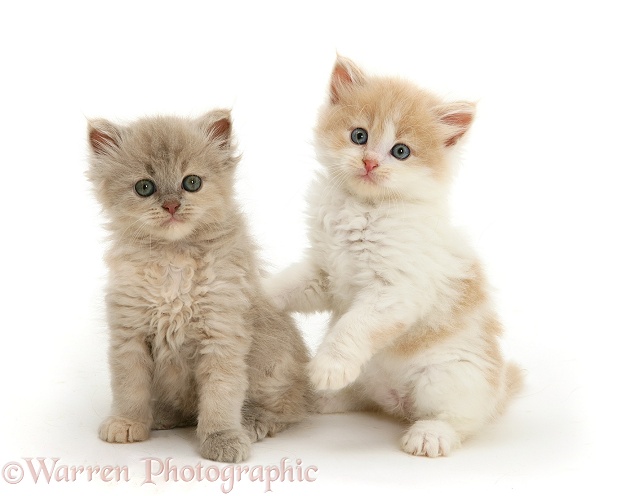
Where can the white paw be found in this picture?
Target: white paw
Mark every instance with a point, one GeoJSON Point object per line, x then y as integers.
{"type": "Point", "coordinates": [430, 438]}
{"type": "Point", "coordinates": [326, 372]}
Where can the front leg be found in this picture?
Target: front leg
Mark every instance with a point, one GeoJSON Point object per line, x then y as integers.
{"type": "Point", "coordinates": [301, 287]}
{"type": "Point", "coordinates": [131, 367]}
{"type": "Point", "coordinates": [353, 340]}
{"type": "Point", "coordinates": [222, 380]}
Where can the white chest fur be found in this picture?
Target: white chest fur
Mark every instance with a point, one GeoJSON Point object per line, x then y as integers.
{"type": "Point", "coordinates": [411, 247]}
{"type": "Point", "coordinates": [352, 246]}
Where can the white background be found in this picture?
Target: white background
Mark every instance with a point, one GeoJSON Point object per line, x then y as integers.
{"type": "Point", "coordinates": [535, 191]}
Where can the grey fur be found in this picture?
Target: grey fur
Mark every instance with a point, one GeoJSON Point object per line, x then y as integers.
{"type": "Point", "coordinates": [193, 339]}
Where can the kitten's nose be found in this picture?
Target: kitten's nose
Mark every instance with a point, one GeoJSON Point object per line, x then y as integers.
{"type": "Point", "coordinates": [370, 165]}
{"type": "Point", "coordinates": [171, 206]}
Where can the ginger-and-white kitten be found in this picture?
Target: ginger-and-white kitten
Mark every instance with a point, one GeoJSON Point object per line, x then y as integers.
{"type": "Point", "coordinates": [413, 330]}
{"type": "Point", "coordinates": [194, 340]}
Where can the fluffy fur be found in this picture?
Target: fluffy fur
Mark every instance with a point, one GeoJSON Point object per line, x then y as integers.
{"type": "Point", "coordinates": [413, 331]}
{"type": "Point", "coordinates": [193, 338]}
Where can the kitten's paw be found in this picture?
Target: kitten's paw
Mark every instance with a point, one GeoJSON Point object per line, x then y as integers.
{"type": "Point", "coordinates": [430, 438]}
{"type": "Point", "coordinates": [122, 430]}
{"type": "Point", "coordinates": [326, 372]}
{"type": "Point", "coordinates": [229, 446]}
{"type": "Point", "coordinates": [260, 423]}
{"type": "Point", "coordinates": [259, 428]}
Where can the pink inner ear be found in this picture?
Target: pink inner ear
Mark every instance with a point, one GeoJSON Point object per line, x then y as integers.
{"type": "Point", "coordinates": [463, 119]}
{"type": "Point", "coordinates": [340, 77]}
{"type": "Point", "coordinates": [461, 123]}
{"type": "Point", "coordinates": [221, 129]}
{"type": "Point", "coordinates": [100, 141]}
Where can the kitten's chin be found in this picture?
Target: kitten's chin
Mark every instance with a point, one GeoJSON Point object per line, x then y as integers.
{"type": "Point", "coordinates": [175, 231]}
{"type": "Point", "coordinates": [420, 187]}
{"type": "Point", "coordinates": [368, 187]}
{"type": "Point", "coordinates": [172, 229]}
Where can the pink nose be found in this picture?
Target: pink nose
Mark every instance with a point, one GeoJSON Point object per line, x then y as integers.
{"type": "Point", "coordinates": [370, 165]}
{"type": "Point", "coordinates": [171, 206]}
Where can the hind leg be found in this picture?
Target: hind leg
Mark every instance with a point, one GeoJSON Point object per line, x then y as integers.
{"type": "Point", "coordinates": [279, 393]}
{"type": "Point", "coordinates": [260, 422]}
{"type": "Point", "coordinates": [452, 400]}
{"type": "Point", "coordinates": [277, 400]}
{"type": "Point", "coordinates": [274, 409]}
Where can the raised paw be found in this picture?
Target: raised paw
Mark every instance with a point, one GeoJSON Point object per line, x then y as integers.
{"type": "Point", "coordinates": [229, 446]}
{"type": "Point", "coordinates": [327, 372]}
{"type": "Point", "coordinates": [123, 430]}
{"type": "Point", "coordinates": [430, 438]}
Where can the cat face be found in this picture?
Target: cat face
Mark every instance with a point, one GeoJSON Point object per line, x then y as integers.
{"type": "Point", "coordinates": [385, 138]}
{"type": "Point", "coordinates": [163, 178]}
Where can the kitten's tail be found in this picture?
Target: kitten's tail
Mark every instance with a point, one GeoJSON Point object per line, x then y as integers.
{"type": "Point", "coordinates": [513, 384]}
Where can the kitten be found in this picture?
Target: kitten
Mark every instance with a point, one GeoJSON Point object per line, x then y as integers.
{"type": "Point", "coordinates": [413, 332]}
{"type": "Point", "coordinates": [193, 338]}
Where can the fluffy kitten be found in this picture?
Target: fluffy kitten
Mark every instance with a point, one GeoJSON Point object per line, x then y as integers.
{"type": "Point", "coordinates": [413, 331]}
{"type": "Point", "coordinates": [193, 338]}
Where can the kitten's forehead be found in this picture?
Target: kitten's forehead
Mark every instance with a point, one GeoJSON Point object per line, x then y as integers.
{"type": "Point", "coordinates": [166, 146]}
{"type": "Point", "coordinates": [391, 96]}
{"type": "Point", "coordinates": [396, 109]}
{"type": "Point", "coordinates": [161, 139]}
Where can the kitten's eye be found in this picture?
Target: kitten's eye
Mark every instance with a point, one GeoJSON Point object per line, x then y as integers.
{"type": "Point", "coordinates": [191, 183]}
{"type": "Point", "coordinates": [145, 187]}
{"type": "Point", "coordinates": [400, 151]}
{"type": "Point", "coordinates": [359, 136]}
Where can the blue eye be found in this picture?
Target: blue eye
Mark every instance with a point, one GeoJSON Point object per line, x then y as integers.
{"type": "Point", "coordinates": [191, 183]}
{"type": "Point", "coordinates": [359, 136]}
{"type": "Point", "coordinates": [400, 151]}
{"type": "Point", "coordinates": [145, 187]}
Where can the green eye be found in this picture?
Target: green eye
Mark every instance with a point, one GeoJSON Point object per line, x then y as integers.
{"type": "Point", "coordinates": [359, 136]}
{"type": "Point", "coordinates": [400, 151]}
{"type": "Point", "coordinates": [192, 183]}
{"type": "Point", "coordinates": [145, 187]}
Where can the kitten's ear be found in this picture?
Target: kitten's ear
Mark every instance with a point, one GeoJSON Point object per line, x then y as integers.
{"type": "Point", "coordinates": [103, 136]}
{"type": "Point", "coordinates": [345, 74]}
{"type": "Point", "coordinates": [217, 125]}
{"type": "Point", "coordinates": [455, 119]}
